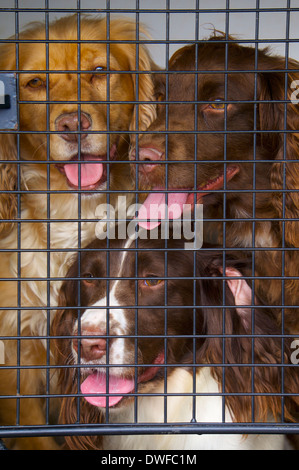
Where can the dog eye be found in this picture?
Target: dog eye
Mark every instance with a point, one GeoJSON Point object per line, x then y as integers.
{"type": "Point", "coordinates": [217, 104]}
{"type": "Point", "coordinates": [88, 278]}
{"type": "Point", "coordinates": [36, 83]}
{"type": "Point", "coordinates": [152, 282]}
{"type": "Point", "coordinates": [100, 72]}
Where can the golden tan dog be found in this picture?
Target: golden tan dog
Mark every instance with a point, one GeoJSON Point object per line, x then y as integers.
{"type": "Point", "coordinates": [64, 117]}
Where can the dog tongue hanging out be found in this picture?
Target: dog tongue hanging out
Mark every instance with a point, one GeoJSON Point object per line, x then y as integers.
{"type": "Point", "coordinates": [95, 386]}
{"type": "Point", "coordinates": [155, 209]}
{"type": "Point", "coordinates": [91, 173]}
{"type": "Point", "coordinates": [87, 172]}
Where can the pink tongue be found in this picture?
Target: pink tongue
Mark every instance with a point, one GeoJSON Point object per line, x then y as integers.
{"type": "Point", "coordinates": [91, 173]}
{"type": "Point", "coordinates": [96, 383]}
{"type": "Point", "coordinates": [154, 208]}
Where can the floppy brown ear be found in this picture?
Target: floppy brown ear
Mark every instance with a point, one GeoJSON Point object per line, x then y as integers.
{"type": "Point", "coordinates": [252, 349]}
{"type": "Point", "coordinates": [267, 350]}
{"type": "Point", "coordinates": [8, 152]}
{"type": "Point", "coordinates": [61, 327]}
{"type": "Point", "coordinates": [280, 116]}
{"type": "Point", "coordinates": [8, 183]}
{"type": "Point", "coordinates": [285, 177]}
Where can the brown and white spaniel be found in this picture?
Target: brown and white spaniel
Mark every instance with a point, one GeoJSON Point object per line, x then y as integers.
{"type": "Point", "coordinates": [140, 335]}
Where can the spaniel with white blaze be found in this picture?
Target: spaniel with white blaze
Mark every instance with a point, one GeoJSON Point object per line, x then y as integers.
{"type": "Point", "coordinates": [141, 330]}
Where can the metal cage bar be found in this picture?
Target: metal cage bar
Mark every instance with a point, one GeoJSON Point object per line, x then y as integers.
{"type": "Point", "coordinates": [137, 427]}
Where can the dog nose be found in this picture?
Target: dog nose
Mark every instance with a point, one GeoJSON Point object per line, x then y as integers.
{"type": "Point", "coordinates": [70, 123]}
{"type": "Point", "coordinates": [91, 348]}
{"type": "Point", "coordinates": [147, 155]}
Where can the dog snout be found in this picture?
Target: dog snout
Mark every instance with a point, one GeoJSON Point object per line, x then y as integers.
{"type": "Point", "coordinates": [150, 156]}
{"type": "Point", "coordinates": [69, 123]}
{"type": "Point", "coordinates": [92, 346]}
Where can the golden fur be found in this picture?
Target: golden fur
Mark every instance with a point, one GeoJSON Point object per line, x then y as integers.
{"type": "Point", "coordinates": [51, 216]}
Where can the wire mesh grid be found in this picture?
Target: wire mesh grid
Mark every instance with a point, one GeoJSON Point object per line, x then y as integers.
{"type": "Point", "coordinates": [116, 255]}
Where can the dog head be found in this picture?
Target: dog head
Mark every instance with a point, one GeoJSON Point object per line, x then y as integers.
{"type": "Point", "coordinates": [77, 104]}
{"type": "Point", "coordinates": [127, 317]}
{"type": "Point", "coordinates": [220, 101]}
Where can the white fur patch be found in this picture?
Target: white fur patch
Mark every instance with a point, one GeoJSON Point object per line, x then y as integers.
{"type": "Point", "coordinates": [109, 309]}
{"type": "Point", "coordinates": [208, 409]}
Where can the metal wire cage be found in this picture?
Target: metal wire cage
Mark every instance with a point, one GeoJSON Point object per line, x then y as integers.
{"type": "Point", "coordinates": [172, 25]}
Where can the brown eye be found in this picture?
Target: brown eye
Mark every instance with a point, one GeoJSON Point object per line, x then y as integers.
{"type": "Point", "coordinates": [152, 282]}
{"type": "Point", "coordinates": [88, 278]}
{"type": "Point", "coordinates": [36, 83]}
{"type": "Point", "coordinates": [218, 105]}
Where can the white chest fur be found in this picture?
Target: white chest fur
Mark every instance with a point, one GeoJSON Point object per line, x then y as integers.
{"type": "Point", "coordinates": [180, 410]}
